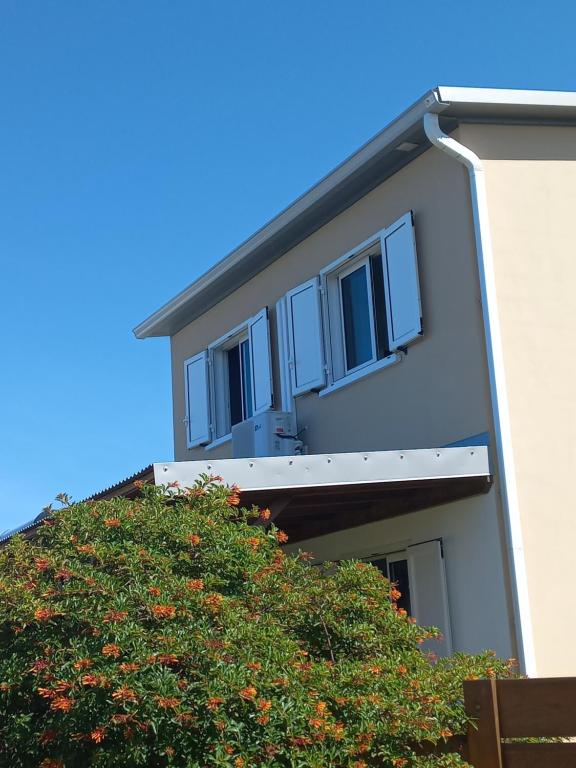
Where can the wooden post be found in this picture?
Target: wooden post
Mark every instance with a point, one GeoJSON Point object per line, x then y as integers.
{"type": "Point", "coordinates": [484, 745]}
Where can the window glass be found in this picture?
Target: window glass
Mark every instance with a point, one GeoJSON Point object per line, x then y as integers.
{"type": "Point", "coordinates": [379, 300]}
{"type": "Point", "coordinates": [235, 385]}
{"type": "Point", "coordinates": [246, 379]}
{"type": "Point", "coordinates": [398, 575]}
{"type": "Point", "coordinates": [356, 318]}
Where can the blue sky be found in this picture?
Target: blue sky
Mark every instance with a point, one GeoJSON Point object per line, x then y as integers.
{"type": "Point", "coordinates": [141, 141]}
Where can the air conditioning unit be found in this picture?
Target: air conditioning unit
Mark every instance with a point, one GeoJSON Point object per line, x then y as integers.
{"type": "Point", "coordinates": [272, 433]}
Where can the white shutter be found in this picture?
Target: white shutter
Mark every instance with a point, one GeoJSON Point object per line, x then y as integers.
{"type": "Point", "coordinates": [428, 593]}
{"type": "Point", "coordinates": [305, 337]}
{"type": "Point", "coordinates": [403, 309]}
{"type": "Point", "coordinates": [197, 407]}
{"type": "Point", "coordinates": [286, 396]}
{"type": "Point", "coordinates": [260, 361]}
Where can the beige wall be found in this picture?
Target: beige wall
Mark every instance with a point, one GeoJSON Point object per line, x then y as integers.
{"type": "Point", "coordinates": [472, 557]}
{"type": "Point", "coordinates": [531, 180]}
{"type": "Point", "coordinates": [439, 392]}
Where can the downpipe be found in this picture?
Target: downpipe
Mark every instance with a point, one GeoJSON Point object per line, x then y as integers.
{"type": "Point", "coordinates": [498, 391]}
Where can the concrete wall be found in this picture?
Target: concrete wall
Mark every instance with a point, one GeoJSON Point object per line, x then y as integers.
{"type": "Point", "coordinates": [475, 574]}
{"type": "Point", "coordinates": [439, 393]}
{"type": "Point", "coordinates": [531, 180]}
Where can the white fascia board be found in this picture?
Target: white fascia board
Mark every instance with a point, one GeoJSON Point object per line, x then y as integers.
{"type": "Point", "coordinates": [522, 98]}
{"type": "Point", "coordinates": [335, 469]}
{"type": "Point", "coordinates": [387, 138]}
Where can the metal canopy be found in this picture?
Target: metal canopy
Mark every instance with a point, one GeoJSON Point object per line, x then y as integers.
{"type": "Point", "coordinates": [313, 495]}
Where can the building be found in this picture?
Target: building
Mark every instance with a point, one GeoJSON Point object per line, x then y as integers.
{"type": "Point", "coordinates": [414, 314]}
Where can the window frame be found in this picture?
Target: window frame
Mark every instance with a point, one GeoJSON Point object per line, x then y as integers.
{"type": "Point", "coordinates": [220, 416]}
{"type": "Point", "coordinates": [334, 337]}
{"type": "Point", "coordinates": [362, 262]}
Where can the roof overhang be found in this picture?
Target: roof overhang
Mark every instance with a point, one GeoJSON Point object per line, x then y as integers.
{"type": "Point", "coordinates": [313, 495]}
{"type": "Point", "coordinates": [394, 147]}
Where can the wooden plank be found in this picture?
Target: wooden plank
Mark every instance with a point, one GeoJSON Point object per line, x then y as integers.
{"type": "Point", "coordinates": [484, 736]}
{"type": "Point", "coordinates": [539, 707]}
{"type": "Point", "coordinates": [539, 755]}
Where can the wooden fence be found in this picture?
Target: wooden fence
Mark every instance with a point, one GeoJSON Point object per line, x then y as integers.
{"type": "Point", "coordinates": [508, 712]}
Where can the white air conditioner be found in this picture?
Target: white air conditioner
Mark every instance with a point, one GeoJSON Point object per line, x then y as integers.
{"type": "Point", "coordinates": [272, 433]}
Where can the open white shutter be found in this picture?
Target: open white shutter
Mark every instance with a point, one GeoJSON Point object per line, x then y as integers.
{"type": "Point", "coordinates": [428, 593]}
{"type": "Point", "coordinates": [305, 340]}
{"type": "Point", "coordinates": [260, 361]}
{"type": "Point", "coordinates": [401, 286]}
{"type": "Point", "coordinates": [197, 406]}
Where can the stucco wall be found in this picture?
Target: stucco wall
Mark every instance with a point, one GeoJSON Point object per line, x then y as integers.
{"type": "Point", "coordinates": [531, 180]}
{"type": "Point", "coordinates": [439, 393]}
{"type": "Point", "coordinates": [473, 562]}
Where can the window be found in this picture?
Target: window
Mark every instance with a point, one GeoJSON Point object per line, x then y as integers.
{"type": "Point", "coordinates": [418, 574]}
{"type": "Point", "coordinates": [364, 307]}
{"type": "Point", "coordinates": [229, 382]}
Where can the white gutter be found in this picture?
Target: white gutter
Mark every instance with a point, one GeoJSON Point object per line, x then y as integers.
{"type": "Point", "coordinates": [500, 409]}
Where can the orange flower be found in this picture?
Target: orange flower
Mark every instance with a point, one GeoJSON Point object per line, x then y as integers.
{"type": "Point", "coordinates": [254, 665]}
{"type": "Point", "coordinates": [214, 702]}
{"type": "Point", "coordinates": [83, 664]}
{"type": "Point", "coordinates": [264, 705]}
{"type": "Point", "coordinates": [62, 704]}
{"type": "Point", "coordinates": [111, 649]}
{"type": "Point", "coordinates": [254, 542]}
{"type": "Point", "coordinates": [111, 616]}
{"type": "Point", "coordinates": [169, 751]}
{"type": "Point", "coordinates": [51, 762]}
{"type": "Point", "coordinates": [402, 669]}
{"type": "Point", "coordinates": [85, 549]}
{"type": "Point", "coordinates": [167, 703]}
{"type": "Point", "coordinates": [46, 693]}
{"type": "Point", "coordinates": [129, 667]}
{"type": "Point", "coordinates": [321, 707]}
{"type": "Point", "coordinates": [399, 762]}
{"type": "Point", "coordinates": [64, 574]}
{"type": "Point", "coordinates": [47, 736]}
{"type": "Point", "coordinates": [155, 591]}
{"type": "Point", "coordinates": [167, 658]}
{"type": "Point", "coordinates": [98, 734]}
{"type": "Point", "coordinates": [41, 563]}
{"type": "Point", "coordinates": [265, 514]}
{"type": "Point", "coordinates": [194, 539]}
{"type": "Point", "coordinates": [43, 614]}
{"type": "Point", "coordinates": [316, 722]}
{"type": "Point", "coordinates": [239, 762]}
{"type": "Point", "coordinates": [195, 584]}
{"type": "Point", "coordinates": [213, 601]}
{"type": "Point", "coordinates": [164, 611]}
{"type": "Point", "coordinates": [95, 680]}
{"type": "Point", "coordinates": [112, 522]}
{"type": "Point", "coordinates": [395, 594]}
{"type": "Point", "coordinates": [263, 719]}
{"type": "Point", "coordinates": [280, 681]}
{"type": "Point", "coordinates": [248, 693]}
{"type": "Point", "coordinates": [281, 537]}
{"type": "Point", "coordinates": [446, 733]}
{"type": "Point", "coordinates": [234, 496]}
{"type": "Point", "coordinates": [124, 694]}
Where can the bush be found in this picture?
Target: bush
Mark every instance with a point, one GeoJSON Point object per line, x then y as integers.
{"type": "Point", "coordinates": [176, 632]}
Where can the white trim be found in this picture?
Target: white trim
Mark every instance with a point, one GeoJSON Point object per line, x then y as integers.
{"type": "Point", "coordinates": [360, 373]}
{"type": "Point", "coordinates": [500, 408]}
{"type": "Point", "coordinates": [218, 442]}
{"type": "Point", "coordinates": [334, 469]}
{"type": "Point", "coordinates": [524, 98]}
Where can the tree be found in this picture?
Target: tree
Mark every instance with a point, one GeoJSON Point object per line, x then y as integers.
{"type": "Point", "coordinates": [172, 630]}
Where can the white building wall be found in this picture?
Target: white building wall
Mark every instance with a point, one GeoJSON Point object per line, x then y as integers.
{"type": "Point", "coordinates": [476, 581]}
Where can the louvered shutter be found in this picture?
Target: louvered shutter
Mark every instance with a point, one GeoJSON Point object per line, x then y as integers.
{"type": "Point", "coordinates": [401, 286]}
{"type": "Point", "coordinates": [305, 339]}
{"type": "Point", "coordinates": [429, 594]}
{"type": "Point", "coordinates": [197, 407]}
{"type": "Point", "coordinates": [260, 362]}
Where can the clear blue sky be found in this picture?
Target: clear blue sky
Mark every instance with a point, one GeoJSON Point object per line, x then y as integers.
{"type": "Point", "coordinates": [141, 141]}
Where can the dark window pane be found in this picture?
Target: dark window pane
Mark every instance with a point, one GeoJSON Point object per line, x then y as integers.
{"type": "Point", "coordinates": [379, 299]}
{"type": "Point", "coordinates": [234, 385]}
{"type": "Point", "coordinates": [357, 325]}
{"type": "Point", "coordinates": [381, 564]}
{"type": "Point", "coordinates": [246, 379]}
{"type": "Point", "coordinates": [398, 571]}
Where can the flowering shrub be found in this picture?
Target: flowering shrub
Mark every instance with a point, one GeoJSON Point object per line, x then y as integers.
{"type": "Point", "coordinates": [176, 632]}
